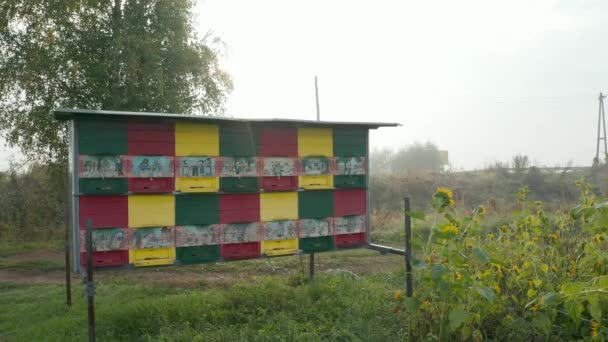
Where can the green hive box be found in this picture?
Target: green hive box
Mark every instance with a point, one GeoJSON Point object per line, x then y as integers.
{"type": "Point", "coordinates": [349, 182]}
{"type": "Point", "coordinates": [102, 137]}
{"type": "Point", "coordinates": [350, 142]}
{"type": "Point", "coordinates": [103, 186]}
{"type": "Point", "coordinates": [239, 141]}
{"type": "Point", "coordinates": [197, 209]}
{"type": "Point", "coordinates": [317, 244]}
{"type": "Point", "coordinates": [239, 184]}
{"type": "Point", "coordinates": [197, 254]}
{"type": "Point", "coordinates": [315, 204]}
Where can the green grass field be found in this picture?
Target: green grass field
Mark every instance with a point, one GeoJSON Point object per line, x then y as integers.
{"type": "Point", "coordinates": [258, 300]}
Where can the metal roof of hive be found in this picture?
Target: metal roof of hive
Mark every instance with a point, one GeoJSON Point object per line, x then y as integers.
{"type": "Point", "coordinates": [71, 114]}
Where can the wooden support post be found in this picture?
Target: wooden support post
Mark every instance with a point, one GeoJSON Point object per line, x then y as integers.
{"type": "Point", "coordinates": [408, 248]}
{"type": "Point", "coordinates": [90, 285]}
{"type": "Point", "coordinates": [311, 269]}
{"type": "Point", "coordinates": [68, 266]}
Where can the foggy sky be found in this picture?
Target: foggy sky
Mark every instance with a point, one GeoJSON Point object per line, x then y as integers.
{"type": "Point", "coordinates": [484, 80]}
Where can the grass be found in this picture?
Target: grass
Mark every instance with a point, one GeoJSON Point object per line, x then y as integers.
{"type": "Point", "coordinates": [272, 309]}
{"type": "Point", "coordinates": [9, 247]}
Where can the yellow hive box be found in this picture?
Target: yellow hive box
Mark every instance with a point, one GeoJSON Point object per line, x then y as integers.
{"type": "Point", "coordinates": [317, 182]}
{"type": "Point", "coordinates": [315, 142]}
{"type": "Point", "coordinates": [192, 139]}
{"type": "Point", "coordinates": [279, 206]}
{"type": "Point", "coordinates": [152, 256]}
{"type": "Point", "coordinates": [151, 210]}
{"type": "Point", "coordinates": [197, 184]}
{"type": "Point", "coordinates": [279, 247]}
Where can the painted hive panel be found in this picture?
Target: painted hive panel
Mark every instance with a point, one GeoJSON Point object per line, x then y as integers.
{"type": "Point", "coordinates": [150, 174]}
{"type": "Point", "coordinates": [279, 206]}
{"type": "Point", "coordinates": [102, 174]}
{"type": "Point", "coordinates": [350, 142]}
{"type": "Point", "coordinates": [279, 174]}
{"type": "Point", "coordinates": [193, 139]}
{"type": "Point", "coordinates": [349, 172]}
{"type": "Point", "coordinates": [316, 204]}
{"type": "Point", "coordinates": [197, 174]}
{"type": "Point", "coordinates": [279, 238]}
{"type": "Point", "coordinates": [151, 138]}
{"type": "Point", "coordinates": [240, 251]}
{"type": "Point", "coordinates": [106, 258]}
{"type": "Point", "coordinates": [278, 142]}
{"type": "Point", "coordinates": [201, 235]}
{"type": "Point", "coordinates": [317, 244]}
{"type": "Point", "coordinates": [152, 237]}
{"type": "Point", "coordinates": [315, 142]}
{"type": "Point", "coordinates": [109, 239]}
{"type": "Point", "coordinates": [240, 232]}
{"type": "Point", "coordinates": [239, 174]}
{"type": "Point", "coordinates": [315, 227]}
{"type": "Point", "coordinates": [102, 137]}
{"type": "Point", "coordinates": [315, 173]}
{"type": "Point", "coordinates": [239, 141]}
{"type": "Point", "coordinates": [349, 231]}
{"type": "Point", "coordinates": [104, 211]}
{"type": "Point", "coordinates": [197, 209]}
{"type": "Point", "coordinates": [239, 208]}
{"type": "Point", "coordinates": [349, 202]}
{"type": "Point", "coordinates": [151, 210]}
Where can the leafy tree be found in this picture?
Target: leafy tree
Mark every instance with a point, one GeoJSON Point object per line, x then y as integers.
{"type": "Point", "coordinates": [417, 157]}
{"type": "Point", "coordinates": [120, 54]}
{"type": "Point", "coordinates": [520, 162]}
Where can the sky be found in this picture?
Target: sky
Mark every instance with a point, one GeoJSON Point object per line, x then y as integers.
{"type": "Point", "coordinates": [485, 80]}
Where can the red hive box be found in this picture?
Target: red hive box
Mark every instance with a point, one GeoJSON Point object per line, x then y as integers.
{"type": "Point", "coordinates": [151, 185]}
{"type": "Point", "coordinates": [278, 142]}
{"type": "Point", "coordinates": [240, 251]}
{"type": "Point", "coordinates": [151, 139]}
{"type": "Point", "coordinates": [279, 183]}
{"type": "Point", "coordinates": [105, 211]}
{"type": "Point", "coordinates": [106, 259]}
{"type": "Point", "coordinates": [349, 202]}
{"type": "Point", "coordinates": [239, 208]}
{"type": "Point", "coordinates": [350, 240]}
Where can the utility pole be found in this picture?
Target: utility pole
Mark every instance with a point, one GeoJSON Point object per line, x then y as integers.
{"type": "Point", "coordinates": [311, 265]}
{"type": "Point", "coordinates": [317, 99]}
{"type": "Point", "coordinates": [601, 128]}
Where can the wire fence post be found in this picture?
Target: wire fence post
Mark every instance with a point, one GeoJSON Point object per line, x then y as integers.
{"type": "Point", "coordinates": [311, 267]}
{"type": "Point", "coordinates": [408, 248]}
{"type": "Point", "coordinates": [90, 285]}
{"type": "Point", "coordinates": [68, 266]}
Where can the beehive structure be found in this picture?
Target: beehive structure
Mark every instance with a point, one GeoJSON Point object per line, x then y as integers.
{"type": "Point", "coordinates": [162, 189]}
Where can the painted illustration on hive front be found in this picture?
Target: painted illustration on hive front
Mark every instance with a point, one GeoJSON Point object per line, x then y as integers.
{"type": "Point", "coordinates": [349, 166]}
{"type": "Point", "coordinates": [239, 167]}
{"type": "Point", "coordinates": [148, 166]}
{"type": "Point", "coordinates": [101, 166]}
{"type": "Point", "coordinates": [315, 227]}
{"type": "Point", "coordinates": [279, 230]}
{"type": "Point", "coordinates": [155, 237]}
{"type": "Point", "coordinates": [280, 167]}
{"type": "Point", "coordinates": [349, 224]}
{"type": "Point", "coordinates": [313, 166]}
{"type": "Point", "coordinates": [240, 232]}
{"type": "Point", "coordinates": [196, 166]}
{"type": "Point", "coordinates": [188, 236]}
{"type": "Point", "coordinates": [107, 239]}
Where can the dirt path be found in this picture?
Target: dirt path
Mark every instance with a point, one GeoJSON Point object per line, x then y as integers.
{"type": "Point", "coordinates": [24, 268]}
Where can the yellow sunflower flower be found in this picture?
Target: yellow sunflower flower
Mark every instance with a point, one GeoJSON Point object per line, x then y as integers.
{"type": "Point", "coordinates": [450, 229]}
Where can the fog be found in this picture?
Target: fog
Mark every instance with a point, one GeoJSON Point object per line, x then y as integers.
{"type": "Point", "coordinates": [484, 80]}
